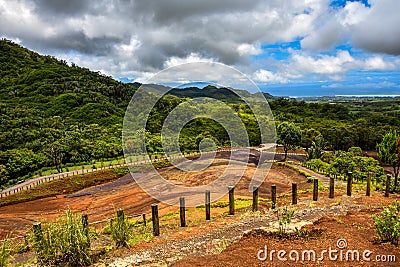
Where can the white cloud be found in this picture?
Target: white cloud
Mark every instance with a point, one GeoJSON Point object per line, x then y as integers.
{"type": "Point", "coordinates": [248, 49]}
{"type": "Point", "coordinates": [333, 67]}
{"type": "Point", "coordinates": [378, 63]}
{"type": "Point", "coordinates": [324, 64]}
{"type": "Point", "coordinates": [374, 29]}
{"type": "Point", "coordinates": [265, 76]}
{"type": "Point", "coordinates": [193, 57]}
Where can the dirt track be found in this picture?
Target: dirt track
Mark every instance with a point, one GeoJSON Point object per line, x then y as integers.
{"type": "Point", "coordinates": [102, 201]}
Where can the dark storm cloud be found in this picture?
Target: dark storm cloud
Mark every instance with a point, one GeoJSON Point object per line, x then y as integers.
{"type": "Point", "coordinates": [61, 7]}
{"type": "Point", "coordinates": [176, 10]}
{"type": "Point", "coordinates": [147, 35]}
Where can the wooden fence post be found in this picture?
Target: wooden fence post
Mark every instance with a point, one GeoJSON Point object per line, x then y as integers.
{"type": "Point", "coordinates": [144, 219]}
{"type": "Point", "coordinates": [231, 200]}
{"type": "Point", "coordinates": [315, 190]}
{"type": "Point", "coordinates": [331, 187]}
{"type": "Point", "coordinates": [294, 193]}
{"type": "Point", "coordinates": [273, 196]}
{"type": "Point", "coordinates": [85, 226]}
{"type": "Point", "coordinates": [349, 183]}
{"type": "Point", "coordinates": [368, 192]}
{"type": "Point", "coordinates": [120, 214]}
{"type": "Point", "coordinates": [85, 221]}
{"type": "Point", "coordinates": [155, 219]}
{"type": "Point", "coordinates": [255, 198]}
{"type": "Point", "coordinates": [208, 205]}
{"type": "Point", "coordinates": [182, 211]}
{"type": "Point", "coordinates": [37, 231]}
{"type": "Point", "coordinates": [387, 190]}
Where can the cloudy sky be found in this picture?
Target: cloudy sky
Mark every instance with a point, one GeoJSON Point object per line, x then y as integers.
{"type": "Point", "coordinates": [288, 47]}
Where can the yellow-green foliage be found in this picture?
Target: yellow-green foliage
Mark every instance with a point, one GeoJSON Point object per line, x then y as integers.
{"type": "Point", "coordinates": [5, 252]}
{"type": "Point", "coordinates": [65, 242]}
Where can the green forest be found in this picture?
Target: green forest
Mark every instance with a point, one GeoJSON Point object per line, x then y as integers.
{"type": "Point", "coordinates": [55, 114]}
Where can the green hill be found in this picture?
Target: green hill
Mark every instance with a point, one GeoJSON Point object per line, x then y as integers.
{"type": "Point", "coordinates": [52, 113]}
{"type": "Point", "coordinates": [231, 96]}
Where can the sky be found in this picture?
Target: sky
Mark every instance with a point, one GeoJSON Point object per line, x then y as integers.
{"type": "Point", "coordinates": [287, 47]}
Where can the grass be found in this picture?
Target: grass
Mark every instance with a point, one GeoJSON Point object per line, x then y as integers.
{"type": "Point", "coordinates": [66, 185]}
{"type": "Point", "coordinates": [63, 243]}
{"type": "Point", "coordinates": [5, 252]}
{"type": "Point", "coordinates": [69, 167]}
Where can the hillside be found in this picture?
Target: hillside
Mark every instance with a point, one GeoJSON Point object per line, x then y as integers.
{"type": "Point", "coordinates": [52, 113]}
{"type": "Point", "coordinates": [228, 95]}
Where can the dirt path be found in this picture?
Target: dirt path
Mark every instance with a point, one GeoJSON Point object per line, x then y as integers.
{"type": "Point", "coordinates": [321, 177]}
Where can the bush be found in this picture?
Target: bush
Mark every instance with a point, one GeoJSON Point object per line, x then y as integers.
{"type": "Point", "coordinates": [5, 252]}
{"type": "Point", "coordinates": [388, 224]}
{"type": "Point", "coordinates": [284, 219]}
{"type": "Point", "coordinates": [65, 242]}
{"type": "Point", "coordinates": [120, 230]}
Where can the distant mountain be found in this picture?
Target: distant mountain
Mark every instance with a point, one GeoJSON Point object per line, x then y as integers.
{"type": "Point", "coordinates": [223, 94]}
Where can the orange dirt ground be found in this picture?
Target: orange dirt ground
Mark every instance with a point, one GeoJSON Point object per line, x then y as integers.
{"type": "Point", "coordinates": [129, 196]}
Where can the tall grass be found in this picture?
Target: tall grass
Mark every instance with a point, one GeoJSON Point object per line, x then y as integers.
{"type": "Point", "coordinates": [121, 230]}
{"type": "Point", "coordinates": [66, 242]}
{"type": "Point", "coordinates": [5, 252]}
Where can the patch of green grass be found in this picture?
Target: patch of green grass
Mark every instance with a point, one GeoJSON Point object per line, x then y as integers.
{"type": "Point", "coordinates": [5, 252]}
{"type": "Point", "coordinates": [66, 185]}
{"type": "Point", "coordinates": [61, 243]}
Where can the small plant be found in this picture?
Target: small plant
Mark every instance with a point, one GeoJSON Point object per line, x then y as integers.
{"type": "Point", "coordinates": [284, 219]}
{"type": "Point", "coordinates": [301, 232]}
{"type": "Point", "coordinates": [66, 242]}
{"type": "Point", "coordinates": [388, 224]}
{"type": "Point", "coordinates": [221, 245]}
{"type": "Point", "coordinates": [5, 252]}
{"type": "Point", "coordinates": [121, 230]}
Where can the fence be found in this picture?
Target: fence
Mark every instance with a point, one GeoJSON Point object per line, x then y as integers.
{"type": "Point", "coordinates": [156, 219]}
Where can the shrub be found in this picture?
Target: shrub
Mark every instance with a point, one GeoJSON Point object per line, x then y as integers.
{"type": "Point", "coordinates": [66, 242]}
{"type": "Point", "coordinates": [5, 252]}
{"type": "Point", "coordinates": [388, 224]}
{"type": "Point", "coordinates": [121, 230]}
{"type": "Point", "coordinates": [284, 219]}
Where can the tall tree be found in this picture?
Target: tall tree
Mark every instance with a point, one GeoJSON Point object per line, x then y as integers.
{"type": "Point", "coordinates": [289, 135]}
{"type": "Point", "coordinates": [388, 153]}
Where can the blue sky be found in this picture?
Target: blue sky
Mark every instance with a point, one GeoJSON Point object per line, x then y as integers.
{"type": "Point", "coordinates": [288, 48]}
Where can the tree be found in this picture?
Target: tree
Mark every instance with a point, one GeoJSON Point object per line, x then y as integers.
{"type": "Point", "coordinates": [316, 151]}
{"type": "Point", "coordinates": [289, 135]}
{"type": "Point", "coordinates": [388, 153]}
{"type": "Point", "coordinates": [308, 136]}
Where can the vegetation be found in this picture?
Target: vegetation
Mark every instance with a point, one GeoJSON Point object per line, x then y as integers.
{"type": "Point", "coordinates": [121, 230]}
{"type": "Point", "coordinates": [389, 153]}
{"type": "Point", "coordinates": [56, 115]}
{"type": "Point", "coordinates": [284, 216]}
{"type": "Point", "coordinates": [316, 151]}
{"type": "Point", "coordinates": [5, 252]}
{"type": "Point", "coordinates": [289, 136]}
{"type": "Point", "coordinates": [66, 185]}
{"type": "Point", "coordinates": [339, 163]}
{"type": "Point", "coordinates": [66, 242]}
{"type": "Point", "coordinates": [388, 224]}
